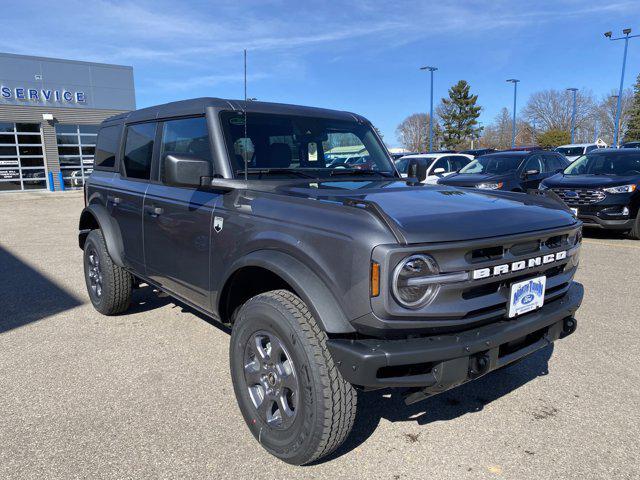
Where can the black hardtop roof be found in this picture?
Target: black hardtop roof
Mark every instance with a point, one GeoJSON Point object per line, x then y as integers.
{"type": "Point", "coordinates": [624, 151]}
{"type": "Point", "coordinates": [198, 106]}
{"type": "Point", "coordinates": [510, 153]}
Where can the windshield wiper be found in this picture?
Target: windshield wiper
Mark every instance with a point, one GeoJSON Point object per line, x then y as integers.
{"type": "Point", "coordinates": [353, 171]}
{"type": "Point", "coordinates": [267, 171]}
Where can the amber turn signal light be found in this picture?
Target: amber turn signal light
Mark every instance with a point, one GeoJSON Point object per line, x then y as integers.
{"type": "Point", "coordinates": [375, 279]}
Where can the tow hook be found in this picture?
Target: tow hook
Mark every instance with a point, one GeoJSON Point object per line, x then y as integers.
{"type": "Point", "coordinates": [478, 365]}
{"type": "Point", "coordinates": [568, 326]}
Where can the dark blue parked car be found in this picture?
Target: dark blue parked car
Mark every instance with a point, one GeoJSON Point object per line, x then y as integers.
{"type": "Point", "coordinates": [513, 171]}
{"type": "Point", "coordinates": [602, 189]}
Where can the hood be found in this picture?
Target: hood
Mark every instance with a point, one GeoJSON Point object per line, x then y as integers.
{"type": "Point", "coordinates": [435, 213]}
{"type": "Point", "coordinates": [472, 179]}
{"type": "Point", "coordinates": [588, 181]}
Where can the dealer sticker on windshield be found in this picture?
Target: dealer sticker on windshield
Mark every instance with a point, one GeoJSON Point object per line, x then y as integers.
{"type": "Point", "coordinates": [527, 296]}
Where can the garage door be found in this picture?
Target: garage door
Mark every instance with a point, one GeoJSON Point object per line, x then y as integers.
{"type": "Point", "coordinates": [21, 157]}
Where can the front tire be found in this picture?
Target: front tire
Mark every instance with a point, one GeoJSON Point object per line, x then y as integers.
{"type": "Point", "coordinates": [109, 286]}
{"type": "Point", "coordinates": [635, 231]}
{"type": "Point", "coordinates": [290, 393]}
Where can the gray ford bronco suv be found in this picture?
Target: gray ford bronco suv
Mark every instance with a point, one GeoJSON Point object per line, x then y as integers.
{"type": "Point", "coordinates": [291, 225]}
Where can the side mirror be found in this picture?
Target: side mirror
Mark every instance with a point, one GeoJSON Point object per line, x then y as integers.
{"type": "Point", "coordinates": [184, 170]}
{"type": "Point", "coordinates": [439, 171]}
{"type": "Point", "coordinates": [417, 169]}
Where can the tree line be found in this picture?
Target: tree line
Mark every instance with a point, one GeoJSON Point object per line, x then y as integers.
{"type": "Point", "coordinates": [545, 120]}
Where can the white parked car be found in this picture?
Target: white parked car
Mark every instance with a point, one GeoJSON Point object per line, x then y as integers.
{"type": "Point", "coordinates": [575, 150]}
{"type": "Point", "coordinates": [439, 165]}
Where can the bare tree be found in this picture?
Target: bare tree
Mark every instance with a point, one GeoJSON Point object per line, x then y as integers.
{"type": "Point", "coordinates": [498, 134]}
{"type": "Point", "coordinates": [552, 110]}
{"type": "Point", "coordinates": [606, 114]}
{"type": "Point", "coordinates": [413, 132]}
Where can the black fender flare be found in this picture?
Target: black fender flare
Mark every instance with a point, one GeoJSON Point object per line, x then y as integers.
{"type": "Point", "coordinates": [110, 231]}
{"type": "Point", "coordinates": [323, 304]}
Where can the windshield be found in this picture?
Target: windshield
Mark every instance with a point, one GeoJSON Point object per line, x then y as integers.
{"type": "Point", "coordinates": [495, 164]}
{"type": "Point", "coordinates": [606, 163]}
{"type": "Point", "coordinates": [287, 145]}
{"type": "Point", "coordinates": [570, 151]}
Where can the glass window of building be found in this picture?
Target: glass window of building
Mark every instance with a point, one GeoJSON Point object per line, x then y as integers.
{"type": "Point", "coordinates": [21, 157]}
{"type": "Point", "coordinates": [76, 150]}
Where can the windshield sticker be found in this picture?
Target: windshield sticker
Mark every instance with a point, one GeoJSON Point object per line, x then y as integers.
{"type": "Point", "coordinates": [236, 120]}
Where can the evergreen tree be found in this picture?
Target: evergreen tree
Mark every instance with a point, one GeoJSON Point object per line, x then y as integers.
{"type": "Point", "coordinates": [459, 114]}
{"type": "Point", "coordinates": [633, 127]}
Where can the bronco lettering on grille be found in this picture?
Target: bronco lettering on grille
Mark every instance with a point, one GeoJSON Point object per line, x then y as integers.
{"type": "Point", "coordinates": [518, 266]}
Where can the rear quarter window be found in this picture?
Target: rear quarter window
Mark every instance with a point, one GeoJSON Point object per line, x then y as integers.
{"type": "Point", "coordinates": [106, 147]}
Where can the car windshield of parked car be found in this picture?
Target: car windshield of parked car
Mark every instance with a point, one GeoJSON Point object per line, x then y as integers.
{"type": "Point", "coordinates": [570, 151]}
{"type": "Point", "coordinates": [287, 145]}
{"type": "Point", "coordinates": [493, 164]}
{"type": "Point", "coordinates": [606, 163]}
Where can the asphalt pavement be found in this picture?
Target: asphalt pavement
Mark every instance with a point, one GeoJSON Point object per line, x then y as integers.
{"type": "Point", "coordinates": [148, 394]}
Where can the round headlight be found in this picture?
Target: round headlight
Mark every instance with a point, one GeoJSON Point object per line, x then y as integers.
{"type": "Point", "coordinates": [411, 294]}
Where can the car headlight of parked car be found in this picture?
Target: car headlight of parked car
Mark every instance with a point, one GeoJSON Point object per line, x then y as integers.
{"type": "Point", "coordinates": [622, 189]}
{"type": "Point", "coordinates": [490, 186]}
{"type": "Point", "coordinates": [409, 286]}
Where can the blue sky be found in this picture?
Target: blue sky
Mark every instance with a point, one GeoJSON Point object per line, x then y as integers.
{"type": "Point", "coordinates": [352, 55]}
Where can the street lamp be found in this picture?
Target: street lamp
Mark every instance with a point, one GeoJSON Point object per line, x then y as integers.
{"type": "Point", "coordinates": [573, 113]}
{"type": "Point", "coordinates": [515, 96]}
{"type": "Point", "coordinates": [431, 70]}
{"type": "Point", "coordinates": [626, 32]}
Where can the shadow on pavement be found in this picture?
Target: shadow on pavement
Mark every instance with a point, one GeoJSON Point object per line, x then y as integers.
{"type": "Point", "coordinates": [602, 234]}
{"type": "Point", "coordinates": [468, 398]}
{"type": "Point", "coordinates": [147, 298]}
{"type": "Point", "coordinates": [28, 296]}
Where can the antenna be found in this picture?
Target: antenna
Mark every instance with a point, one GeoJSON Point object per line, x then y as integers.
{"type": "Point", "coordinates": [244, 142]}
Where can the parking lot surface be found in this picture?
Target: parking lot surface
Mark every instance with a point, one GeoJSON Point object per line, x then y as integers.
{"type": "Point", "coordinates": [148, 394]}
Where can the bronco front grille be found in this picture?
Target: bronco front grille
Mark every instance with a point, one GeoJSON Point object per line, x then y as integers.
{"type": "Point", "coordinates": [579, 196]}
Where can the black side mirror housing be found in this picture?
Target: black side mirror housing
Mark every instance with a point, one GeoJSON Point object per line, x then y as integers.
{"type": "Point", "coordinates": [417, 169]}
{"type": "Point", "coordinates": [184, 170]}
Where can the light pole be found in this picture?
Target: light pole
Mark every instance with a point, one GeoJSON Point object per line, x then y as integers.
{"type": "Point", "coordinates": [626, 32]}
{"type": "Point", "coordinates": [573, 113]}
{"type": "Point", "coordinates": [515, 96]}
{"type": "Point", "coordinates": [431, 70]}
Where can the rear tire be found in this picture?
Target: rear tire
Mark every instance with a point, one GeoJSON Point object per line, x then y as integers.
{"type": "Point", "coordinates": [635, 231]}
{"type": "Point", "coordinates": [290, 392]}
{"type": "Point", "coordinates": [109, 286]}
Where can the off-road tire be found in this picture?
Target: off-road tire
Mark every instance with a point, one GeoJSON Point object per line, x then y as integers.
{"type": "Point", "coordinates": [635, 231]}
{"type": "Point", "coordinates": [326, 405]}
{"type": "Point", "coordinates": [116, 282]}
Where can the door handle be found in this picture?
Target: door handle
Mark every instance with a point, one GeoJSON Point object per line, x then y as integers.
{"type": "Point", "coordinates": [114, 200]}
{"type": "Point", "coordinates": [154, 211]}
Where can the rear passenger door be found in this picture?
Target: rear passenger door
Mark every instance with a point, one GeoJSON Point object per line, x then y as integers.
{"type": "Point", "coordinates": [178, 220]}
{"type": "Point", "coordinates": [126, 197]}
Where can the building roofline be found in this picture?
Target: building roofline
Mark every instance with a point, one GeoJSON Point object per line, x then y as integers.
{"type": "Point", "coordinates": [64, 60]}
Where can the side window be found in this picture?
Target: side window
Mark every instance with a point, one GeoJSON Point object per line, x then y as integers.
{"type": "Point", "coordinates": [440, 163]}
{"type": "Point", "coordinates": [187, 135]}
{"type": "Point", "coordinates": [457, 162]}
{"type": "Point", "coordinates": [534, 163]}
{"type": "Point", "coordinates": [106, 147]}
{"type": "Point", "coordinates": [138, 150]}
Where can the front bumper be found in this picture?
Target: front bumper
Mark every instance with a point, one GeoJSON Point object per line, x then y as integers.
{"type": "Point", "coordinates": [595, 221]}
{"type": "Point", "coordinates": [438, 363]}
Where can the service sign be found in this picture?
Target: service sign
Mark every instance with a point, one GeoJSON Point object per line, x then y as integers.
{"type": "Point", "coordinates": [42, 95]}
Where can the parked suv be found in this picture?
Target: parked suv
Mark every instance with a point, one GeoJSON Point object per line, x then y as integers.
{"type": "Point", "coordinates": [436, 165]}
{"type": "Point", "coordinates": [332, 279]}
{"type": "Point", "coordinates": [602, 188]}
{"type": "Point", "coordinates": [513, 171]}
